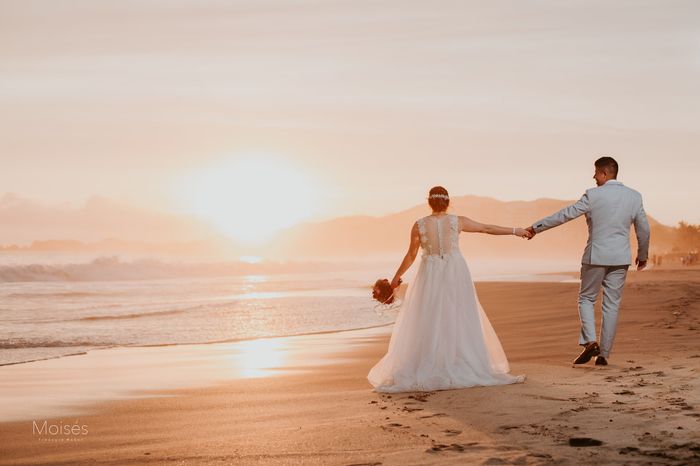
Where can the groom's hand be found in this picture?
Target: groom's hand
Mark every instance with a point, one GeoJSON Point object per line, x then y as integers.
{"type": "Point", "coordinates": [641, 265]}
{"type": "Point", "coordinates": [531, 231]}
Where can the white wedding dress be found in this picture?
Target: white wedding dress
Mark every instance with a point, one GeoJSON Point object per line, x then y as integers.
{"type": "Point", "coordinates": [442, 338]}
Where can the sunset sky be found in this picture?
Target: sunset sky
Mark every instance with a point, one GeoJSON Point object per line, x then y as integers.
{"type": "Point", "coordinates": [279, 111]}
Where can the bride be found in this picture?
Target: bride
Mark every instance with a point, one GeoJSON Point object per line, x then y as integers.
{"type": "Point", "coordinates": [442, 338]}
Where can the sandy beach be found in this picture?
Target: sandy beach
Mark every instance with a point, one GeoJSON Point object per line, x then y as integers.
{"type": "Point", "coordinates": [186, 405]}
{"type": "Point", "coordinates": [202, 204]}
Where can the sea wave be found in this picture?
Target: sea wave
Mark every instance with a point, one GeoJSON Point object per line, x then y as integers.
{"type": "Point", "coordinates": [59, 294]}
{"type": "Point", "coordinates": [113, 268]}
{"type": "Point", "coordinates": [79, 347]}
{"type": "Point", "coordinates": [16, 343]}
{"type": "Point", "coordinates": [135, 315]}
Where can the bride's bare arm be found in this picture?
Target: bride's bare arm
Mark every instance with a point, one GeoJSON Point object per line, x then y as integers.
{"type": "Point", "coordinates": [472, 226]}
{"type": "Point", "coordinates": [410, 256]}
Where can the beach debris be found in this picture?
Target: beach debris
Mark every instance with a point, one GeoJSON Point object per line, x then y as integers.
{"type": "Point", "coordinates": [584, 442]}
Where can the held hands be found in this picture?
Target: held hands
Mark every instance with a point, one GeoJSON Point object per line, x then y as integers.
{"type": "Point", "coordinates": [524, 232]}
{"type": "Point", "coordinates": [531, 231]}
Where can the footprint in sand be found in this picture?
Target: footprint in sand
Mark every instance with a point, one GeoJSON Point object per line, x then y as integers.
{"type": "Point", "coordinates": [460, 447]}
{"type": "Point", "coordinates": [423, 397]}
{"type": "Point", "coordinates": [548, 398]}
{"type": "Point", "coordinates": [410, 410]}
{"type": "Point", "coordinates": [509, 427]}
{"type": "Point", "coordinates": [624, 392]}
{"type": "Point", "coordinates": [396, 424]}
{"type": "Point", "coordinates": [628, 450]}
{"type": "Point", "coordinates": [432, 415]}
{"type": "Point", "coordinates": [494, 460]}
{"type": "Point", "coordinates": [680, 403]}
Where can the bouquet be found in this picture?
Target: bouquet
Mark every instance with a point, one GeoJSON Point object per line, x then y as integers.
{"type": "Point", "coordinates": [383, 292]}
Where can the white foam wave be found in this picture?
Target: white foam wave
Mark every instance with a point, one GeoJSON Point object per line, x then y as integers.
{"type": "Point", "coordinates": [113, 268]}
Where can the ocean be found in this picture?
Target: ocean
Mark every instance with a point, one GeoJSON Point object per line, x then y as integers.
{"type": "Point", "coordinates": [58, 307]}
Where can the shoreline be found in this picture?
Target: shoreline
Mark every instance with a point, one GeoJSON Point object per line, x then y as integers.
{"type": "Point", "coordinates": [147, 370]}
{"type": "Point", "coordinates": [544, 277]}
{"type": "Point", "coordinates": [216, 342]}
{"type": "Point", "coordinates": [316, 406]}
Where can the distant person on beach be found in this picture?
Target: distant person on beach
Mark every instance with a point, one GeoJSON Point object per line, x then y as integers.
{"type": "Point", "coordinates": [610, 209]}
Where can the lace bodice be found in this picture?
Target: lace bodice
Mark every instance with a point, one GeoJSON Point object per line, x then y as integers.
{"type": "Point", "coordinates": [439, 235]}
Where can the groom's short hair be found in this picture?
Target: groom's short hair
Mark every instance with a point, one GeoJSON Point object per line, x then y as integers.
{"type": "Point", "coordinates": [608, 165]}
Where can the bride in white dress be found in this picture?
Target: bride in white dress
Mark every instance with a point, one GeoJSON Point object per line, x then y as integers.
{"type": "Point", "coordinates": [442, 338]}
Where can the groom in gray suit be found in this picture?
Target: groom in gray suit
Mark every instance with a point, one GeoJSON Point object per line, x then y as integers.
{"type": "Point", "coordinates": [610, 209]}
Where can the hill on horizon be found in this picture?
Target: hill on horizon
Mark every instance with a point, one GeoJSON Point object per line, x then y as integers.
{"type": "Point", "coordinates": [354, 237]}
{"type": "Point", "coordinates": [367, 236]}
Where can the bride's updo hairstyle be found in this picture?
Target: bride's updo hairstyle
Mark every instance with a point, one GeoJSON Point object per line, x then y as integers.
{"type": "Point", "coordinates": [438, 198]}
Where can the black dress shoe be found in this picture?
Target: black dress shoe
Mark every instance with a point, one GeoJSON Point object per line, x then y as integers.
{"type": "Point", "coordinates": [601, 361]}
{"type": "Point", "coordinates": [591, 349]}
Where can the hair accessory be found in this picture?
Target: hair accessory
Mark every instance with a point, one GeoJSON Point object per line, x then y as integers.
{"type": "Point", "coordinates": [441, 196]}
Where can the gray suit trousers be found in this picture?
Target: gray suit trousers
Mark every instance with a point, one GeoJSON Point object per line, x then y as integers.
{"type": "Point", "coordinates": [612, 279]}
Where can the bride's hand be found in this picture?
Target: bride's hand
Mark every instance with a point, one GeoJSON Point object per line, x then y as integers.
{"type": "Point", "coordinates": [523, 233]}
{"type": "Point", "coordinates": [395, 282]}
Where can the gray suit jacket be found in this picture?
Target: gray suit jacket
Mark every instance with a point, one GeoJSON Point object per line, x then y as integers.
{"type": "Point", "coordinates": [610, 209]}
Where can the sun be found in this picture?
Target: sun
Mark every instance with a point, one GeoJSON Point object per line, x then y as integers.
{"type": "Point", "coordinates": [251, 198]}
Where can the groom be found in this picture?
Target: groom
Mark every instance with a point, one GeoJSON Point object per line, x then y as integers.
{"type": "Point", "coordinates": [610, 209]}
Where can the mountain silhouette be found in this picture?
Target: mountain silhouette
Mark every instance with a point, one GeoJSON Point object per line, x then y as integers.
{"type": "Point", "coordinates": [386, 236]}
